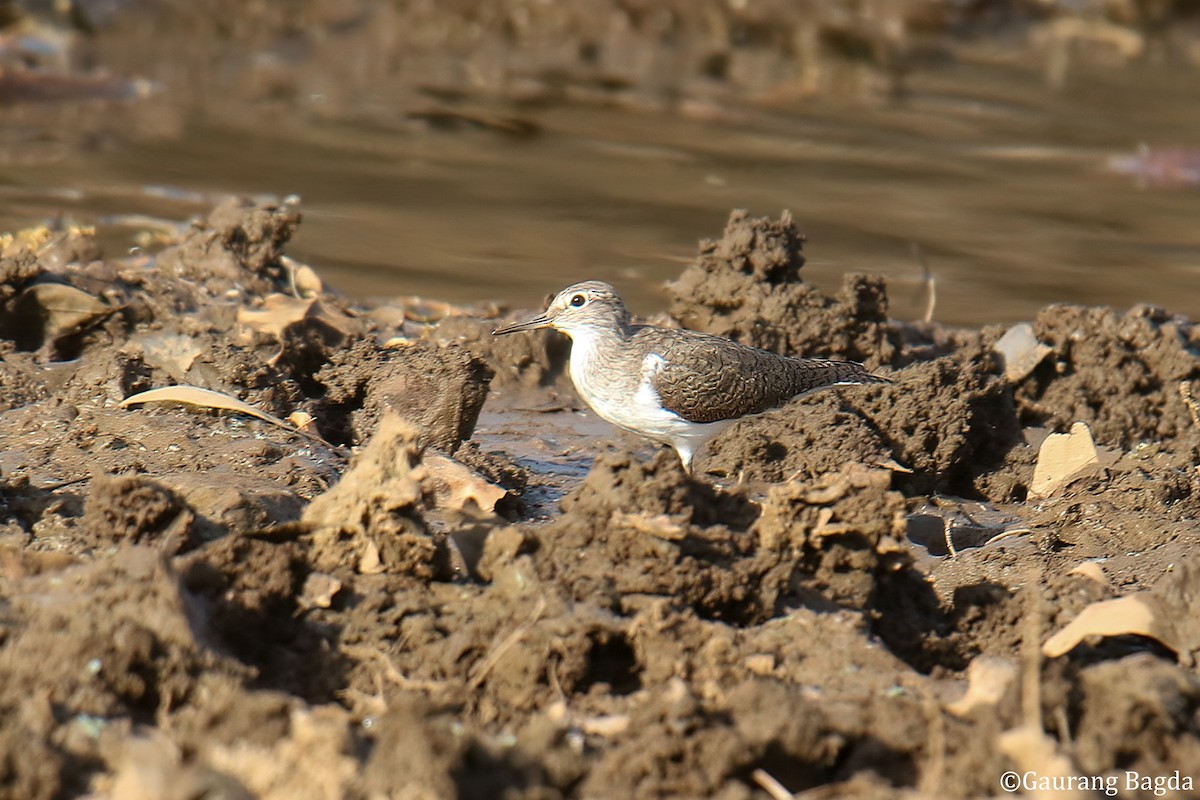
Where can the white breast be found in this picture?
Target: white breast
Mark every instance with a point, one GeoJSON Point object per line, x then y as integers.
{"type": "Point", "coordinates": [639, 410]}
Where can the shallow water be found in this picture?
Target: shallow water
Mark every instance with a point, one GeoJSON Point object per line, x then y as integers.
{"type": "Point", "coordinates": [1000, 184]}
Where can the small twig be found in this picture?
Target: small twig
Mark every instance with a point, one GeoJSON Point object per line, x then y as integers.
{"type": "Point", "coordinates": [390, 672]}
{"type": "Point", "coordinates": [1007, 533]}
{"type": "Point", "coordinates": [928, 280]}
{"type": "Point", "coordinates": [499, 650]}
{"type": "Point", "coordinates": [771, 786]}
{"type": "Point", "coordinates": [1185, 391]}
{"type": "Point", "coordinates": [950, 548]}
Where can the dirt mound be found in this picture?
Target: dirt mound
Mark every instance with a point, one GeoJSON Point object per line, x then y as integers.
{"type": "Point", "coordinates": [440, 389]}
{"type": "Point", "coordinates": [1126, 375]}
{"type": "Point", "coordinates": [747, 286]}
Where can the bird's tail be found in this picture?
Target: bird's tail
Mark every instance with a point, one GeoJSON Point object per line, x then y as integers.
{"type": "Point", "coordinates": [819, 373]}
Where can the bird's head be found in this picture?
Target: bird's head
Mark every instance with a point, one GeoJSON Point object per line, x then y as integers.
{"type": "Point", "coordinates": [579, 309]}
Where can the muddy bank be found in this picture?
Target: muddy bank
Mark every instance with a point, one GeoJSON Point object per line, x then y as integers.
{"type": "Point", "coordinates": [380, 593]}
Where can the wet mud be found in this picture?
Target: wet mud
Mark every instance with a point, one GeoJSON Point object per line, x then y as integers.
{"type": "Point", "coordinates": [440, 577]}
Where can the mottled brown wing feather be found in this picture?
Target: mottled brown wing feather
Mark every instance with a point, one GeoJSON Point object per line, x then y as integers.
{"type": "Point", "coordinates": [706, 378]}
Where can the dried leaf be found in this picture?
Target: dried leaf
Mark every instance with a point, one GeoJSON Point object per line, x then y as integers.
{"type": "Point", "coordinates": [172, 353]}
{"type": "Point", "coordinates": [277, 312]}
{"type": "Point", "coordinates": [456, 486]}
{"type": "Point", "coordinates": [1090, 570]}
{"type": "Point", "coordinates": [64, 309]}
{"type": "Point", "coordinates": [988, 678]}
{"type": "Point", "coordinates": [1021, 351]}
{"type": "Point", "coordinates": [1061, 456]}
{"type": "Point", "coordinates": [303, 421]}
{"type": "Point", "coordinates": [1136, 614]}
{"type": "Point", "coordinates": [204, 398]}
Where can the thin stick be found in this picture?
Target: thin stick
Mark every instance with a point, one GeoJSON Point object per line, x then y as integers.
{"type": "Point", "coordinates": [1185, 391]}
{"type": "Point", "coordinates": [771, 786]}
{"type": "Point", "coordinates": [928, 281]}
{"type": "Point", "coordinates": [499, 650]}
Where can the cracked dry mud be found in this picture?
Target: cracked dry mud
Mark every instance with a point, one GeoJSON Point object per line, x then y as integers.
{"type": "Point", "coordinates": [196, 603]}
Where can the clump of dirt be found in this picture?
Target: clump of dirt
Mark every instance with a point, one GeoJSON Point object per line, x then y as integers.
{"type": "Point", "coordinates": [1120, 373]}
{"type": "Point", "coordinates": [238, 237]}
{"type": "Point", "coordinates": [373, 514]}
{"type": "Point", "coordinates": [132, 508]}
{"type": "Point", "coordinates": [90, 646]}
{"type": "Point", "coordinates": [440, 389]}
{"type": "Point", "coordinates": [747, 286]}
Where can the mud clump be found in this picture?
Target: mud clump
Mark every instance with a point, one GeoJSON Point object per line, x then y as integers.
{"type": "Point", "coordinates": [131, 508]}
{"type": "Point", "coordinates": [1120, 373]}
{"type": "Point", "coordinates": [375, 511]}
{"type": "Point", "coordinates": [439, 389]}
{"type": "Point", "coordinates": [747, 286]}
{"type": "Point", "coordinates": [237, 238]}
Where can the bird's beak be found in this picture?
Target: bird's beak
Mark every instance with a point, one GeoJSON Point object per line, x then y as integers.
{"type": "Point", "coordinates": [543, 320]}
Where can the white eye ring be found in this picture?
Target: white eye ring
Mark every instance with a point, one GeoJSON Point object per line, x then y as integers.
{"type": "Point", "coordinates": [578, 301]}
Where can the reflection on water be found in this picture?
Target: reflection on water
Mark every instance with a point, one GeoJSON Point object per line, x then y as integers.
{"type": "Point", "coordinates": [1001, 185]}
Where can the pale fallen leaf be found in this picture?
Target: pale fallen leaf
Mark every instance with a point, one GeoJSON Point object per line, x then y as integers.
{"type": "Point", "coordinates": [277, 312]}
{"type": "Point", "coordinates": [205, 398]}
{"type": "Point", "coordinates": [1090, 570]}
{"type": "Point", "coordinates": [456, 486]}
{"type": "Point", "coordinates": [319, 590]}
{"type": "Point", "coordinates": [988, 678]}
{"type": "Point", "coordinates": [1021, 351]}
{"type": "Point", "coordinates": [64, 309]}
{"type": "Point", "coordinates": [1061, 456]}
{"type": "Point", "coordinates": [171, 352]}
{"type": "Point", "coordinates": [1136, 614]}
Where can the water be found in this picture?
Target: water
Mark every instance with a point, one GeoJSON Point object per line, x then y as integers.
{"type": "Point", "coordinates": [999, 183]}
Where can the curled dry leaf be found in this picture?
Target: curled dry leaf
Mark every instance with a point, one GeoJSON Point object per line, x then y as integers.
{"type": "Point", "coordinates": [303, 421]}
{"type": "Point", "coordinates": [988, 678]}
{"type": "Point", "coordinates": [204, 398]}
{"type": "Point", "coordinates": [1061, 456]}
{"type": "Point", "coordinates": [172, 353]}
{"type": "Point", "coordinates": [63, 309]}
{"type": "Point", "coordinates": [456, 486]}
{"type": "Point", "coordinates": [1090, 570]}
{"type": "Point", "coordinates": [1021, 351]}
{"type": "Point", "coordinates": [277, 312]}
{"type": "Point", "coordinates": [1138, 614]}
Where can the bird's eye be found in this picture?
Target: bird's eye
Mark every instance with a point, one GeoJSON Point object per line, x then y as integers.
{"type": "Point", "coordinates": [577, 301]}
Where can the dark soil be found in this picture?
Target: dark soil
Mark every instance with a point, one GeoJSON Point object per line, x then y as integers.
{"type": "Point", "coordinates": [195, 602]}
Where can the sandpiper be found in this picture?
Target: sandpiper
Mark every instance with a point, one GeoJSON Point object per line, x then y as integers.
{"type": "Point", "coordinates": [677, 387]}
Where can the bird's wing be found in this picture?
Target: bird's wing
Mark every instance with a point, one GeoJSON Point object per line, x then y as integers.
{"type": "Point", "coordinates": [706, 378]}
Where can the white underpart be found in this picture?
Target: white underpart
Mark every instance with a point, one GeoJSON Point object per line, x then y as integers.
{"type": "Point", "coordinates": [642, 413]}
